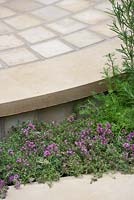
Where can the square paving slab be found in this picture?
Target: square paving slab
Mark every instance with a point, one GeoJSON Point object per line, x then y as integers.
{"type": "Point", "coordinates": [23, 5]}
{"type": "Point", "coordinates": [5, 12]}
{"type": "Point", "coordinates": [51, 48]}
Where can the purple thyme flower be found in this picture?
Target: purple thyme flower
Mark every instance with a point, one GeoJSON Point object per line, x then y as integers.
{"type": "Point", "coordinates": [79, 143]}
{"type": "Point", "coordinates": [84, 133]}
{"type": "Point", "coordinates": [130, 136]}
{"type": "Point", "coordinates": [99, 128]}
{"type": "Point", "coordinates": [31, 125]}
{"type": "Point", "coordinates": [71, 118]}
{"type": "Point", "coordinates": [51, 146]}
{"type": "Point", "coordinates": [126, 145]}
{"type": "Point", "coordinates": [108, 125]}
{"type": "Point", "coordinates": [30, 144]}
{"type": "Point", "coordinates": [47, 153]}
{"type": "Point", "coordinates": [2, 183]}
{"type": "Point", "coordinates": [104, 141]}
{"type": "Point", "coordinates": [69, 152]}
{"type": "Point", "coordinates": [11, 178]}
{"type": "Point", "coordinates": [19, 160]}
{"type": "Point", "coordinates": [84, 150]}
{"type": "Point", "coordinates": [10, 152]}
{"type": "Point", "coordinates": [23, 148]}
{"type": "Point", "coordinates": [25, 131]}
{"type": "Point", "coordinates": [99, 125]}
{"type": "Point", "coordinates": [17, 184]}
{"type": "Point", "coordinates": [132, 147]}
{"type": "Point", "coordinates": [95, 138]}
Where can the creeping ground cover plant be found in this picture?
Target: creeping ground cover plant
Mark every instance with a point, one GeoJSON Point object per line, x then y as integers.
{"type": "Point", "coordinates": [45, 152]}
{"type": "Point", "coordinates": [97, 138]}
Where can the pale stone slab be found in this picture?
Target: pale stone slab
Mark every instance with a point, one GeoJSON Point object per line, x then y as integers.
{"type": "Point", "coordinates": [23, 5]}
{"type": "Point", "coordinates": [4, 29]}
{"type": "Point", "coordinates": [47, 2]}
{"type": "Point", "coordinates": [1, 65]}
{"type": "Point", "coordinates": [103, 28]}
{"type": "Point", "coordinates": [51, 48]}
{"type": "Point", "coordinates": [9, 41]}
{"type": "Point", "coordinates": [104, 6]}
{"type": "Point", "coordinates": [83, 38]}
{"type": "Point", "coordinates": [66, 25]}
{"type": "Point", "coordinates": [17, 56]}
{"type": "Point", "coordinates": [110, 186]}
{"type": "Point", "coordinates": [74, 5]}
{"type": "Point", "coordinates": [6, 12]}
{"type": "Point", "coordinates": [91, 16]}
{"type": "Point", "coordinates": [23, 21]}
{"type": "Point", "coordinates": [50, 13]}
{"type": "Point", "coordinates": [2, 1]}
{"type": "Point", "coordinates": [37, 34]}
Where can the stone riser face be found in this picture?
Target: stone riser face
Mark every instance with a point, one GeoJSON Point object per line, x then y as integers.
{"type": "Point", "coordinates": [60, 107]}
{"type": "Point", "coordinates": [55, 113]}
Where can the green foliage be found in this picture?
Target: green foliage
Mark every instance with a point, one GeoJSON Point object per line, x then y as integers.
{"type": "Point", "coordinates": [45, 152]}
{"type": "Point", "coordinates": [118, 105]}
{"type": "Point", "coordinates": [123, 25]}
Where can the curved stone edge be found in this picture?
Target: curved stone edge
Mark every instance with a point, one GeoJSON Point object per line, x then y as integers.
{"type": "Point", "coordinates": [48, 100]}
{"type": "Point", "coordinates": [59, 80]}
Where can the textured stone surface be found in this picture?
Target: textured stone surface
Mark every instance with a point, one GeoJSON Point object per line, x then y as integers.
{"type": "Point", "coordinates": [17, 56]}
{"type": "Point", "coordinates": [37, 34]}
{"type": "Point", "coordinates": [4, 29]}
{"type": "Point", "coordinates": [9, 41]}
{"type": "Point", "coordinates": [104, 6]}
{"type": "Point", "coordinates": [3, 1]}
{"type": "Point", "coordinates": [23, 5]}
{"type": "Point", "coordinates": [75, 5]}
{"type": "Point", "coordinates": [83, 38]}
{"type": "Point", "coordinates": [1, 65]}
{"type": "Point", "coordinates": [35, 24]}
{"type": "Point", "coordinates": [110, 187]}
{"type": "Point", "coordinates": [104, 29]}
{"type": "Point", "coordinates": [47, 2]}
{"type": "Point", "coordinates": [23, 21]}
{"type": "Point", "coordinates": [51, 48]}
{"type": "Point", "coordinates": [50, 13]}
{"type": "Point", "coordinates": [66, 25]}
{"type": "Point", "coordinates": [5, 12]}
{"type": "Point", "coordinates": [91, 16]}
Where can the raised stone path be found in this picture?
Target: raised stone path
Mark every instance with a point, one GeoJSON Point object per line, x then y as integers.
{"type": "Point", "coordinates": [51, 51]}
{"type": "Point", "coordinates": [110, 187]}
{"type": "Point", "coordinates": [36, 30]}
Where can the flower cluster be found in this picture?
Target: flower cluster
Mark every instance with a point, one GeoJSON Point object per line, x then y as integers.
{"type": "Point", "coordinates": [14, 178]}
{"type": "Point", "coordinates": [48, 151]}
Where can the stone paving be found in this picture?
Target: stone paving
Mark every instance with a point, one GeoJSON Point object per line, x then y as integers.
{"type": "Point", "coordinates": [36, 30]}
{"type": "Point", "coordinates": [110, 187]}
